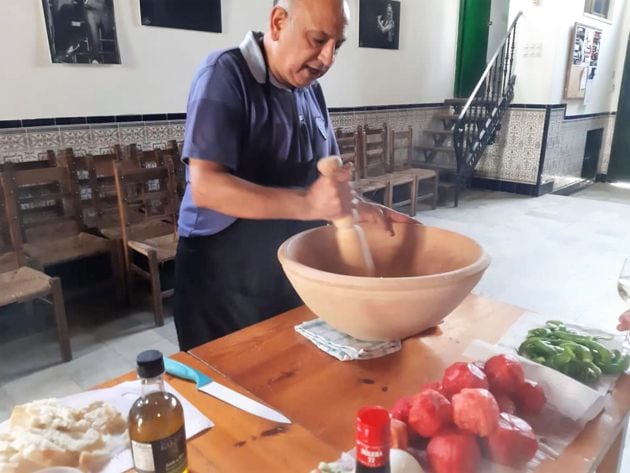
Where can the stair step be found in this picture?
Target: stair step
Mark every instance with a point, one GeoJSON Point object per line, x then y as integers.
{"type": "Point", "coordinates": [438, 167]}
{"type": "Point", "coordinates": [446, 116]}
{"type": "Point", "coordinates": [438, 132]}
{"type": "Point", "coordinates": [442, 149]}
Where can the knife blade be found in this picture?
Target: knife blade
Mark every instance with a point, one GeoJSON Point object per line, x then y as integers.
{"type": "Point", "coordinates": [213, 388]}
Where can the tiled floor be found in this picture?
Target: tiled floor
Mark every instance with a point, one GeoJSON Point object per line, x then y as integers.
{"type": "Point", "coordinates": [556, 255]}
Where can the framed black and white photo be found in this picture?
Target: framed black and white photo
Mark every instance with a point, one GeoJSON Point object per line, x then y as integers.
{"type": "Point", "coordinates": [81, 31]}
{"type": "Point", "coordinates": [200, 15]}
{"type": "Point", "coordinates": [379, 24]}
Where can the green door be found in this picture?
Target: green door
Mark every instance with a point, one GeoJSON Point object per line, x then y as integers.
{"type": "Point", "coordinates": [472, 44]}
{"type": "Point", "coordinates": [619, 167]}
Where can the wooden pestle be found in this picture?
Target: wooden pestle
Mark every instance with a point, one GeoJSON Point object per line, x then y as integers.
{"type": "Point", "coordinates": [353, 249]}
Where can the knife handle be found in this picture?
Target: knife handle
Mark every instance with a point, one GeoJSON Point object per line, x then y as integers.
{"type": "Point", "coordinates": [175, 368]}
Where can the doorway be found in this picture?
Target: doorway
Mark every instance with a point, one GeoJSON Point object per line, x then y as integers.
{"type": "Point", "coordinates": [619, 167]}
{"type": "Point", "coordinates": [591, 153]}
{"type": "Point", "coordinates": [482, 26]}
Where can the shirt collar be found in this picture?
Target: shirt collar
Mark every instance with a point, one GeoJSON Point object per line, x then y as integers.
{"type": "Point", "coordinates": [250, 49]}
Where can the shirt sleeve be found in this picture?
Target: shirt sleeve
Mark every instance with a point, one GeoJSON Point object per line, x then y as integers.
{"type": "Point", "coordinates": [215, 114]}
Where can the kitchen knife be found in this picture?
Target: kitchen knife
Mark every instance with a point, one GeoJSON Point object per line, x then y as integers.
{"type": "Point", "coordinates": [225, 394]}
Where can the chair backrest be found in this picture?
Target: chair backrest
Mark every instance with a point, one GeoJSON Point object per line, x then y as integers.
{"type": "Point", "coordinates": [145, 195]}
{"type": "Point", "coordinates": [173, 151]}
{"type": "Point", "coordinates": [49, 161]}
{"type": "Point", "coordinates": [94, 174]}
{"type": "Point", "coordinates": [349, 143]}
{"type": "Point", "coordinates": [41, 215]}
{"type": "Point", "coordinates": [400, 149]}
{"type": "Point", "coordinates": [374, 150]}
{"type": "Point", "coordinates": [11, 256]}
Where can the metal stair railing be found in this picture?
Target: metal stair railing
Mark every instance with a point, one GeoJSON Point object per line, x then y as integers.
{"type": "Point", "coordinates": [480, 118]}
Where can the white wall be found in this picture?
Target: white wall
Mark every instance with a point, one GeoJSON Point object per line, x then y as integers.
{"type": "Point", "coordinates": [158, 63]}
{"type": "Point", "coordinates": [549, 24]}
{"type": "Point", "coordinates": [499, 15]}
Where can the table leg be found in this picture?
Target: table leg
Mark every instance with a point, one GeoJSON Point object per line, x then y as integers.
{"type": "Point", "coordinates": [611, 462]}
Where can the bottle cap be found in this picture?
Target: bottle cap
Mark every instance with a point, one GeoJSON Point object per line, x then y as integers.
{"type": "Point", "coordinates": [150, 364]}
{"type": "Point", "coordinates": [373, 425]}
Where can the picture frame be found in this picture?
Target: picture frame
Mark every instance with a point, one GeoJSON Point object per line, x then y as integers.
{"type": "Point", "coordinates": [81, 31]}
{"type": "Point", "coordinates": [196, 15]}
{"type": "Point", "coordinates": [582, 61]}
{"type": "Point", "coordinates": [379, 24]}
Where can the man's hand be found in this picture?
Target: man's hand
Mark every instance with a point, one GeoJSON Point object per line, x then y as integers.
{"type": "Point", "coordinates": [375, 213]}
{"type": "Point", "coordinates": [330, 198]}
{"type": "Point", "coordinates": [624, 321]}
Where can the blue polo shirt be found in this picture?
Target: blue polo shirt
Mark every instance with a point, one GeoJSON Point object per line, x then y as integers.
{"type": "Point", "coordinates": [239, 116]}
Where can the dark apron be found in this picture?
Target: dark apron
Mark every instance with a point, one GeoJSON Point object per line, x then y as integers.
{"type": "Point", "coordinates": [233, 279]}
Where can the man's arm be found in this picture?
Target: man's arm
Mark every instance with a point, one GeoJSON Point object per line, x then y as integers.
{"type": "Point", "coordinates": [214, 187]}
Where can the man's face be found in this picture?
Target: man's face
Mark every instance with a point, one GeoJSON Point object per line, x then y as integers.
{"type": "Point", "coordinates": [308, 40]}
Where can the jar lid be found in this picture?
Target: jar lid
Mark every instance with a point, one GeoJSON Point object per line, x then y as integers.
{"type": "Point", "coordinates": [373, 426]}
{"type": "Point", "coordinates": [150, 364]}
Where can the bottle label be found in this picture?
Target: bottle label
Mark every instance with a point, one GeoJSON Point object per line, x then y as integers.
{"type": "Point", "coordinates": [166, 455]}
{"type": "Point", "coordinates": [373, 456]}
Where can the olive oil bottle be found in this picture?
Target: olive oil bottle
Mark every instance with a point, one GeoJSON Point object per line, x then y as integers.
{"type": "Point", "coordinates": [156, 422]}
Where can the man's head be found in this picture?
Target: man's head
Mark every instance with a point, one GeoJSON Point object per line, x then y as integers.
{"type": "Point", "coordinates": [303, 38]}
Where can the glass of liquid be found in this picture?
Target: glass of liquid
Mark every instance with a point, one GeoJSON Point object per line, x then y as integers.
{"type": "Point", "coordinates": [623, 288]}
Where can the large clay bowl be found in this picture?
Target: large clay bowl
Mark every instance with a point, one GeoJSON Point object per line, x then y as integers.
{"type": "Point", "coordinates": [423, 274]}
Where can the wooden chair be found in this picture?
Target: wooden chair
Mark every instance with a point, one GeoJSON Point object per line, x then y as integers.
{"type": "Point", "coordinates": [95, 178]}
{"type": "Point", "coordinates": [173, 151]}
{"type": "Point", "coordinates": [400, 163]}
{"type": "Point", "coordinates": [20, 284]}
{"type": "Point", "coordinates": [376, 163]}
{"type": "Point", "coordinates": [350, 152]}
{"type": "Point", "coordinates": [48, 226]}
{"type": "Point", "coordinates": [151, 233]}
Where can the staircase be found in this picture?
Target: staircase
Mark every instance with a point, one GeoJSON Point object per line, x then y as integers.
{"type": "Point", "coordinates": [469, 125]}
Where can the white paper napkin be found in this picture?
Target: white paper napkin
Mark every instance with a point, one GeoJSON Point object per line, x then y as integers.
{"type": "Point", "coordinates": [570, 404]}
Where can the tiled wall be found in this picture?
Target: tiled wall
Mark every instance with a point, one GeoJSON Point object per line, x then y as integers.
{"type": "Point", "coordinates": [26, 144]}
{"type": "Point", "coordinates": [419, 118]}
{"type": "Point", "coordinates": [515, 157]}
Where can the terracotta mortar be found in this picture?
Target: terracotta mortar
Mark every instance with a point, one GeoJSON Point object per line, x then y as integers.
{"type": "Point", "coordinates": [423, 273]}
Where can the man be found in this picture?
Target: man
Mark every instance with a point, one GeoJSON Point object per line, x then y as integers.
{"type": "Point", "coordinates": [100, 24]}
{"type": "Point", "coordinates": [256, 125]}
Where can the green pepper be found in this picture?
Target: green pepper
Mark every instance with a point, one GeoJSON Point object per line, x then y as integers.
{"type": "Point", "coordinates": [618, 364]}
{"type": "Point", "coordinates": [582, 352]}
{"type": "Point", "coordinates": [539, 332]}
{"type": "Point", "coordinates": [560, 360]}
{"type": "Point", "coordinates": [536, 347]}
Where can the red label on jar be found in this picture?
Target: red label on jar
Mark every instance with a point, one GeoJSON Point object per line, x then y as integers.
{"type": "Point", "coordinates": [372, 455]}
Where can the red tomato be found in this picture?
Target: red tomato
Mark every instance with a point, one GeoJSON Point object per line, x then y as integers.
{"type": "Point", "coordinates": [399, 436]}
{"type": "Point", "coordinates": [436, 385]}
{"type": "Point", "coordinates": [505, 403]}
{"type": "Point", "coordinates": [505, 374]}
{"type": "Point", "coordinates": [476, 411]}
{"type": "Point", "coordinates": [513, 443]}
{"type": "Point", "coordinates": [454, 452]}
{"type": "Point", "coordinates": [400, 410]}
{"type": "Point", "coordinates": [430, 411]}
{"type": "Point", "coordinates": [530, 398]}
{"type": "Point", "coordinates": [462, 375]}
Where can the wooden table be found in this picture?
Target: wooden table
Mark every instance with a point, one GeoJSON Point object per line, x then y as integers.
{"type": "Point", "coordinates": [240, 442]}
{"type": "Point", "coordinates": [323, 395]}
